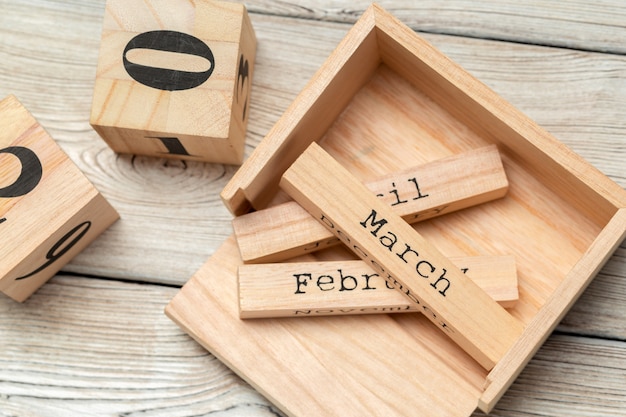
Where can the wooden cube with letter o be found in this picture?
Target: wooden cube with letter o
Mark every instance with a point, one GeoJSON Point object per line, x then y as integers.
{"type": "Point", "coordinates": [174, 78]}
{"type": "Point", "coordinates": [49, 211]}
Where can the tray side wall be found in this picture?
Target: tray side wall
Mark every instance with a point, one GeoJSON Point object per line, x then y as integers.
{"type": "Point", "coordinates": [555, 308]}
{"type": "Point", "coordinates": [481, 109]}
{"type": "Point", "coordinates": [313, 111]}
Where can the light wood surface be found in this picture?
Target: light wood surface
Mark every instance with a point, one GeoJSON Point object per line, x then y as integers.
{"type": "Point", "coordinates": [106, 346]}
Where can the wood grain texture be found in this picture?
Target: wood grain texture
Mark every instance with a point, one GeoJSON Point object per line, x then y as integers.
{"type": "Point", "coordinates": [48, 59]}
{"type": "Point", "coordinates": [581, 382]}
{"type": "Point", "coordinates": [88, 358]}
{"type": "Point", "coordinates": [106, 348]}
{"type": "Point", "coordinates": [573, 24]}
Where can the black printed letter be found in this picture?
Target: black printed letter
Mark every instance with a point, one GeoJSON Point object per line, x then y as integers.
{"type": "Point", "coordinates": [168, 41]}
{"type": "Point", "coordinates": [30, 176]}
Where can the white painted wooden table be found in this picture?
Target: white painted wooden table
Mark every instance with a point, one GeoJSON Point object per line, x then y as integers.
{"type": "Point", "coordinates": [94, 341]}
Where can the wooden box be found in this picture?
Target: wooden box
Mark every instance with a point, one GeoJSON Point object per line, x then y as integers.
{"type": "Point", "coordinates": [49, 211]}
{"type": "Point", "coordinates": [386, 99]}
{"type": "Point", "coordinates": [174, 78]}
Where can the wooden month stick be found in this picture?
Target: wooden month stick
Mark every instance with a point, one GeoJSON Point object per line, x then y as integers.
{"type": "Point", "coordinates": [402, 256]}
{"type": "Point", "coordinates": [302, 289]}
{"type": "Point", "coordinates": [439, 187]}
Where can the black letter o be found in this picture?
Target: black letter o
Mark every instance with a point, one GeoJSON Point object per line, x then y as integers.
{"type": "Point", "coordinates": [168, 41]}
{"type": "Point", "coordinates": [30, 176]}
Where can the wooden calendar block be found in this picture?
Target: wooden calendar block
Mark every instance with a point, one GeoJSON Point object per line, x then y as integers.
{"type": "Point", "coordinates": [304, 289]}
{"type": "Point", "coordinates": [455, 304]}
{"type": "Point", "coordinates": [420, 193]}
{"type": "Point", "coordinates": [174, 78]}
{"type": "Point", "coordinates": [49, 211]}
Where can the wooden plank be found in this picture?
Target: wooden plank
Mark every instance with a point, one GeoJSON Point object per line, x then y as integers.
{"type": "Point", "coordinates": [569, 376]}
{"type": "Point", "coordinates": [86, 347]}
{"type": "Point", "coordinates": [570, 24]}
{"type": "Point", "coordinates": [81, 370]}
{"type": "Point", "coordinates": [401, 255]}
{"type": "Point", "coordinates": [415, 194]}
{"type": "Point", "coordinates": [305, 289]}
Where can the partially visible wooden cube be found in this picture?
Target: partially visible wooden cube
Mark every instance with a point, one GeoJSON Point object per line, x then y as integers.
{"type": "Point", "coordinates": [174, 78]}
{"type": "Point", "coordinates": [49, 211]}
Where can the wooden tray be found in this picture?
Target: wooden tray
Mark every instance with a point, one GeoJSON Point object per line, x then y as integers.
{"type": "Point", "coordinates": [384, 100]}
